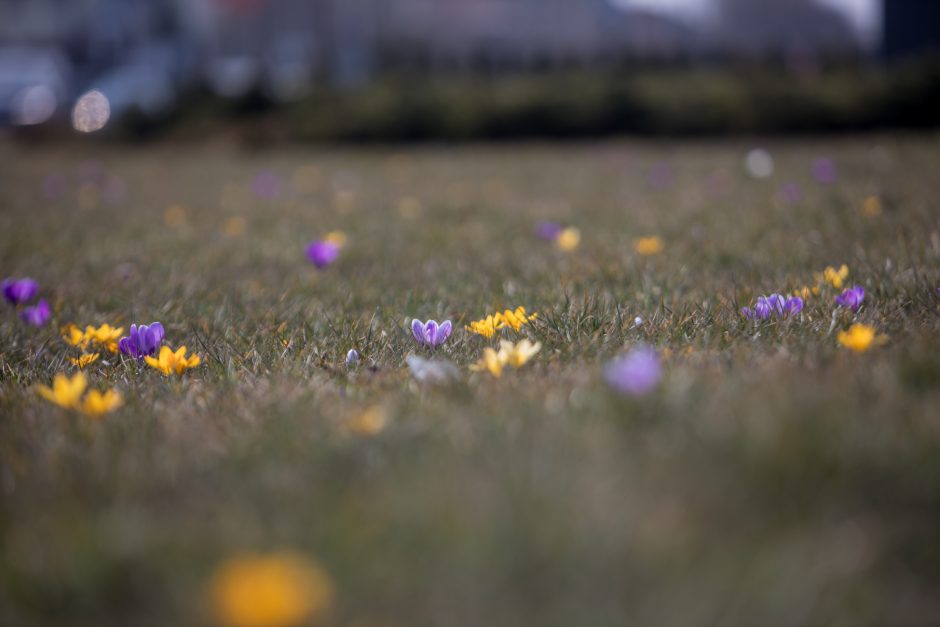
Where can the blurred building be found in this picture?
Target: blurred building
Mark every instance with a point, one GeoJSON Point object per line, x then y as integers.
{"type": "Point", "coordinates": [143, 54]}
{"type": "Point", "coordinates": [513, 34]}
{"type": "Point", "coordinates": [911, 27]}
{"type": "Point", "coordinates": [783, 29]}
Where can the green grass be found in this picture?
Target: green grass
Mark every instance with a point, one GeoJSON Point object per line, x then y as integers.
{"type": "Point", "coordinates": [773, 478]}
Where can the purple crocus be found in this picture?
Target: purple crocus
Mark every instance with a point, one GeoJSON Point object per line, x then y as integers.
{"type": "Point", "coordinates": [773, 305]}
{"type": "Point", "coordinates": [851, 298]}
{"type": "Point", "coordinates": [18, 291]}
{"type": "Point", "coordinates": [635, 373]}
{"type": "Point", "coordinates": [548, 231]}
{"type": "Point", "coordinates": [37, 315]}
{"type": "Point", "coordinates": [430, 333]}
{"type": "Point", "coordinates": [144, 340]}
{"type": "Point", "coordinates": [322, 253]}
{"type": "Point", "coordinates": [824, 171]}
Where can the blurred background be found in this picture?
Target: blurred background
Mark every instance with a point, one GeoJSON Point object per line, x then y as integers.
{"type": "Point", "coordinates": [413, 69]}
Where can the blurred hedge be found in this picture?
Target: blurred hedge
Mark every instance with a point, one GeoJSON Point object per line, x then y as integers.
{"type": "Point", "coordinates": [645, 102]}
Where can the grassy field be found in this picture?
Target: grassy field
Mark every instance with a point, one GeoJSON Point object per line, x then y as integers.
{"type": "Point", "coordinates": [773, 477]}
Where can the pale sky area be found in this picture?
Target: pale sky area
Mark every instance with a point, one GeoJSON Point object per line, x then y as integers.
{"type": "Point", "coordinates": [864, 14]}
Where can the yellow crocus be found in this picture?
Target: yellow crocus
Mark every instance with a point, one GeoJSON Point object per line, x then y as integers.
{"type": "Point", "coordinates": [648, 246]}
{"type": "Point", "coordinates": [509, 354]}
{"type": "Point", "coordinates": [170, 361]}
{"type": "Point", "coordinates": [65, 392]}
{"type": "Point", "coordinates": [860, 337]}
{"type": "Point", "coordinates": [74, 336]}
{"type": "Point", "coordinates": [485, 327]}
{"type": "Point", "coordinates": [273, 590]}
{"type": "Point", "coordinates": [568, 239]}
{"type": "Point", "coordinates": [105, 335]}
{"type": "Point", "coordinates": [514, 319]}
{"type": "Point", "coordinates": [84, 359]}
{"type": "Point", "coordinates": [834, 277]}
{"type": "Point", "coordinates": [804, 292]}
{"type": "Point", "coordinates": [97, 404]}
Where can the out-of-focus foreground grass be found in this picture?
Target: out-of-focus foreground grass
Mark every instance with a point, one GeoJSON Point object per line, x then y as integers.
{"type": "Point", "coordinates": [773, 478]}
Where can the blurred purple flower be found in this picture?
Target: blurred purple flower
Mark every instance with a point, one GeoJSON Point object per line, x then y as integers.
{"type": "Point", "coordinates": [773, 305]}
{"type": "Point", "coordinates": [322, 253]}
{"type": "Point", "coordinates": [18, 291]}
{"type": "Point", "coordinates": [266, 185]}
{"type": "Point", "coordinates": [791, 193]}
{"type": "Point", "coordinates": [851, 298]}
{"type": "Point", "coordinates": [37, 315]}
{"type": "Point", "coordinates": [431, 370]}
{"type": "Point", "coordinates": [144, 340]}
{"type": "Point", "coordinates": [824, 171]}
{"type": "Point", "coordinates": [548, 231]}
{"type": "Point", "coordinates": [635, 373]}
{"type": "Point", "coordinates": [430, 333]}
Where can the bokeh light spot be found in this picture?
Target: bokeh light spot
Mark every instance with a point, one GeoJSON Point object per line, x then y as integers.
{"type": "Point", "coordinates": [759, 163]}
{"type": "Point", "coordinates": [33, 105]}
{"type": "Point", "coordinates": [91, 113]}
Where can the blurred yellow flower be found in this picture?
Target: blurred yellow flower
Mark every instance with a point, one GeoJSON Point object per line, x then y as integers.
{"type": "Point", "coordinates": [490, 361]}
{"type": "Point", "coordinates": [369, 422]}
{"type": "Point", "coordinates": [568, 239]}
{"type": "Point", "coordinates": [74, 336]}
{"type": "Point", "coordinates": [648, 246]}
{"type": "Point", "coordinates": [509, 354]}
{"type": "Point", "coordinates": [834, 277]}
{"type": "Point", "coordinates": [65, 392]}
{"type": "Point", "coordinates": [521, 352]}
{"type": "Point", "coordinates": [97, 404]}
{"type": "Point", "coordinates": [860, 337]}
{"type": "Point", "coordinates": [337, 238]}
{"type": "Point", "coordinates": [170, 361]}
{"type": "Point", "coordinates": [234, 226]}
{"type": "Point", "coordinates": [105, 335]}
{"type": "Point", "coordinates": [174, 216]}
{"type": "Point", "coordinates": [273, 590]}
{"type": "Point", "coordinates": [871, 207]}
{"type": "Point", "coordinates": [84, 359]}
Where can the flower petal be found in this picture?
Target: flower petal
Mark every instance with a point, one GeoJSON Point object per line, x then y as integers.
{"type": "Point", "coordinates": [417, 330]}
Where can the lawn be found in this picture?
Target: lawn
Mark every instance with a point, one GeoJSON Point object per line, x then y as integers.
{"type": "Point", "coordinates": [772, 476]}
